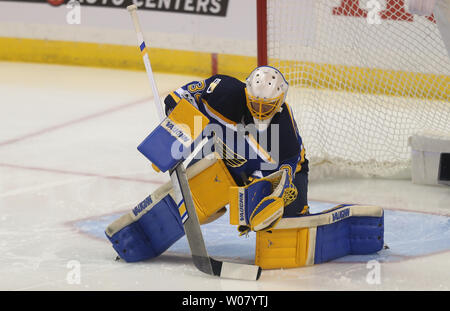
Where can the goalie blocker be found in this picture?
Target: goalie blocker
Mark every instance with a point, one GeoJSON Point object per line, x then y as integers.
{"type": "Point", "coordinates": [167, 144]}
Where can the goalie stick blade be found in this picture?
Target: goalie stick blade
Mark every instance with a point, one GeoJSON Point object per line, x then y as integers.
{"type": "Point", "coordinates": [235, 271]}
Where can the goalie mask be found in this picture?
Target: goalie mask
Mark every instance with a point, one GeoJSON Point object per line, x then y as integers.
{"type": "Point", "coordinates": [266, 90]}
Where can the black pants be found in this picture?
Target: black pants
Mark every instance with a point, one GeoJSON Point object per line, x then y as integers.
{"type": "Point", "coordinates": [300, 205]}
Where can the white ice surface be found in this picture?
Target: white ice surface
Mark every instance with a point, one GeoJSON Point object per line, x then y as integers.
{"type": "Point", "coordinates": [68, 159]}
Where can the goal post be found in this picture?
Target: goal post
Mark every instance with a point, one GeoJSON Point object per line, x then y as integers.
{"type": "Point", "coordinates": [261, 20]}
{"type": "Point", "coordinates": [364, 75]}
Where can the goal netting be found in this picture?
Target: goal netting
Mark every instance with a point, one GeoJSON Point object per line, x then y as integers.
{"type": "Point", "coordinates": [364, 76]}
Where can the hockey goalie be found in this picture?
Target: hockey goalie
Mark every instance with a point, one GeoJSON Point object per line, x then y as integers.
{"type": "Point", "coordinates": [253, 163]}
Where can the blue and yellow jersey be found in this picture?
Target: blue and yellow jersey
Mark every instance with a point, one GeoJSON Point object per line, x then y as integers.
{"type": "Point", "coordinates": [246, 151]}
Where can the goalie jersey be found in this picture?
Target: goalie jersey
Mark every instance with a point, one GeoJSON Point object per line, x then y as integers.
{"type": "Point", "coordinates": [246, 151]}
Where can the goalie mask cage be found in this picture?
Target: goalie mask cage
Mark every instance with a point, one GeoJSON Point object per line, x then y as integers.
{"type": "Point", "coordinates": [364, 76]}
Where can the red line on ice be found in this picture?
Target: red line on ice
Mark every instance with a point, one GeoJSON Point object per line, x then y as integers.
{"type": "Point", "coordinates": [66, 172]}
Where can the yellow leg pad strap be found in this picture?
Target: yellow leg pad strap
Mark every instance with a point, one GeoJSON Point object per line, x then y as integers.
{"type": "Point", "coordinates": [189, 118]}
{"type": "Point", "coordinates": [282, 248]}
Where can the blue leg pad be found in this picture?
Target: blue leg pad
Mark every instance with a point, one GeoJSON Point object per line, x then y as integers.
{"type": "Point", "coordinates": [351, 236]}
{"type": "Point", "coordinates": [151, 235]}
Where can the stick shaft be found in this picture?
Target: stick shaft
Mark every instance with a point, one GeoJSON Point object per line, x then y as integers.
{"type": "Point", "coordinates": [148, 67]}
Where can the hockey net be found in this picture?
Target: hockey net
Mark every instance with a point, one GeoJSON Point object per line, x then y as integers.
{"type": "Point", "coordinates": [364, 76]}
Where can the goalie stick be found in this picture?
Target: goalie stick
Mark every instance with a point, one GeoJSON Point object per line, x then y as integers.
{"type": "Point", "coordinates": [182, 192]}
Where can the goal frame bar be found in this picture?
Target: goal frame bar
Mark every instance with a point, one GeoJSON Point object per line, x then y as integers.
{"type": "Point", "coordinates": [261, 22]}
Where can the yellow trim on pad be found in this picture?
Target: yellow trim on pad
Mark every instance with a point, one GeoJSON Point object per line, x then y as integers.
{"type": "Point", "coordinates": [189, 119]}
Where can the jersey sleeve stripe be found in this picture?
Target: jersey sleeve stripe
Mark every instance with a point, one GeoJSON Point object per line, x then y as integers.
{"type": "Point", "coordinates": [218, 116]}
{"type": "Point", "coordinates": [259, 150]}
{"type": "Point", "coordinates": [302, 160]}
{"type": "Point", "coordinates": [292, 118]}
{"type": "Point", "coordinates": [175, 96]}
